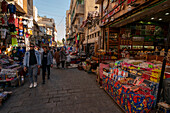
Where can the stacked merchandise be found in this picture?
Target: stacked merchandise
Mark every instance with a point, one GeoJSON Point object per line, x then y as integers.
{"type": "Point", "coordinates": [4, 95]}
{"type": "Point", "coordinates": [102, 55]}
{"type": "Point", "coordinates": [88, 65]}
{"type": "Point", "coordinates": [9, 72]}
{"type": "Point", "coordinates": [133, 84]}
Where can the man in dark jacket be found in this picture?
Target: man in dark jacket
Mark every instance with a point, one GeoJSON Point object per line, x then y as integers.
{"type": "Point", "coordinates": [62, 57]}
{"type": "Point", "coordinates": [47, 62]}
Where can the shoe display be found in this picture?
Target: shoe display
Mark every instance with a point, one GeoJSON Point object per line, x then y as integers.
{"type": "Point", "coordinates": [31, 85]}
{"type": "Point", "coordinates": [35, 84]}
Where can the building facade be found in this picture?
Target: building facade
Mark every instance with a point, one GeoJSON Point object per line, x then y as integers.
{"type": "Point", "coordinates": [92, 33]}
{"type": "Point", "coordinates": [77, 16]}
{"type": "Point", "coordinates": [48, 30]}
{"type": "Point", "coordinates": [68, 23]}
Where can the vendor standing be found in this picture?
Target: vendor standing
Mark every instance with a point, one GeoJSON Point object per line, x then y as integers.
{"type": "Point", "coordinates": [124, 53]}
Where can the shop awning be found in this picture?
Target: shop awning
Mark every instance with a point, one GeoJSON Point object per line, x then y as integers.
{"type": "Point", "coordinates": [19, 9]}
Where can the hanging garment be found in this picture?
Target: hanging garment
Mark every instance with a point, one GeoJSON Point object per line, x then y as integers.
{"type": "Point", "coordinates": [3, 33]}
{"type": "Point", "coordinates": [12, 27]}
{"type": "Point", "coordinates": [4, 6]}
{"type": "Point", "coordinates": [14, 42]}
{"type": "Point", "coordinates": [20, 24]}
{"type": "Point", "coordinates": [20, 32]}
{"type": "Point", "coordinates": [4, 20]}
{"type": "Point", "coordinates": [30, 24]}
{"type": "Point", "coordinates": [16, 22]}
{"type": "Point", "coordinates": [11, 19]}
{"type": "Point", "coordinates": [11, 8]}
{"type": "Point", "coordinates": [25, 22]}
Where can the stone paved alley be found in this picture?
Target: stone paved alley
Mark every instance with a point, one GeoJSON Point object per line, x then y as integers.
{"type": "Point", "coordinates": [68, 91]}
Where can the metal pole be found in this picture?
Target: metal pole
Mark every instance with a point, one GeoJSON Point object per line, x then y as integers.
{"type": "Point", "coordinates": [87, 41]}
{"type": "Point", "coordinates": [163, 68]}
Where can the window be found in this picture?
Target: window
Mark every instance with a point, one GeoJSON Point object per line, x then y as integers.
{"type": "Point", "coordinates": [99, 33]}
{"type": "Point", "coordinates": [95, 34]}
{"type": "Point", "coordinates": [80, 1]}
{"type": "Point", "coordinates": [29, 2]}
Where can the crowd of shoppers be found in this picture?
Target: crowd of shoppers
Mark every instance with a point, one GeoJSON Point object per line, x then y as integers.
{"type": "Point", "coordinates": [43, 57]}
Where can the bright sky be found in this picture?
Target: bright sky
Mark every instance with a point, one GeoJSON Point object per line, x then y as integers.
{"type": "Point", "coordinates": [54, 9]}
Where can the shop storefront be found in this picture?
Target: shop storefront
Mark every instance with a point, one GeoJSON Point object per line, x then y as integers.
{"type": "Point", "coordinates": [136, 32]}
{"type": "Point", "coordinates": [12, 41]}
{"type": "Point", "coordinates": [131, 24]}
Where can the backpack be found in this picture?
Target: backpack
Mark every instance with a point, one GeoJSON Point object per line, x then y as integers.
{"type": "Point", "coordinates": [166, 90]}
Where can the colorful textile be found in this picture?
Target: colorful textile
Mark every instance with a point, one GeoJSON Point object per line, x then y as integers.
{"type": "Point", "coordinates": [11, 8]}
{"type": "Point", "coordinates": [4, 5]}
{"type": "Point", "coordinates": [14, 42]}
{"type": "Point", "coordinates": [130, 101]}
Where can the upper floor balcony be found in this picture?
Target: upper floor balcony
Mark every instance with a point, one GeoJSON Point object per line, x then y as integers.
{"type": "Point", "coordinates": [79, 10]}
{"type": "Point", "coordinates": [98, 1]}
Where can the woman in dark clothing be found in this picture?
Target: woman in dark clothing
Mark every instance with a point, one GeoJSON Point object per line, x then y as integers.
{"type": "Point", "coordinates": [62, 56]}
{"type": "Point", "coordinates": [57, 58]}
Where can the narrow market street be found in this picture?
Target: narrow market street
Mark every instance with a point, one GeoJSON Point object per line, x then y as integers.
{"type": "Point", "coordinates": [68, 91]}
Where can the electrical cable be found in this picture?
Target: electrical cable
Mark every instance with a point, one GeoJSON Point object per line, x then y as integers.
{"type": "Point", "coordinates": [61, 21]}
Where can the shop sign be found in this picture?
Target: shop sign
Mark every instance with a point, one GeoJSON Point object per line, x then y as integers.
{"type": "Point", "coordinates": [148, 43]}
{"type": "Point", "coordinates": [117, 5]}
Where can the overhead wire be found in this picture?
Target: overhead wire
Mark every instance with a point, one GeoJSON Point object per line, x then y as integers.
{"type": "Point", "coordinates": [61, 21]}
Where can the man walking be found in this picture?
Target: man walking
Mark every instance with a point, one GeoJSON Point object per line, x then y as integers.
{"type": "Point", "coordinates": [62, 57]}
{"type": "Point", "coordinates": [57, 58]}
{"type": "Point", "coordinates": [32, 61]}
{"type": "Point", "coordinates": [47, 62]}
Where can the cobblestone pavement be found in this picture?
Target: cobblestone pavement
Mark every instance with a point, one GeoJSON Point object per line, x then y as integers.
{"type": "Point", "coordinates": [68, 91]}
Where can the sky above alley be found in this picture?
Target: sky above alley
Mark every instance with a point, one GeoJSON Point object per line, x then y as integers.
{"type": "Point", "coordinates": [54, 9]}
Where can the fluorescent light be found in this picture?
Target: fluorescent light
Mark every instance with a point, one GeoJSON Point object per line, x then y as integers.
{"type": "Point", "coordinates": [166, 13]}
{"type": "Point", "coordinates": [152, 18]}
{"type": "Point", "coordinates": [160, 19]}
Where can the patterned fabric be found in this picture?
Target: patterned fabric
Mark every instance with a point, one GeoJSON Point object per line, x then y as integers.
{"type": "Point", "coordinates": [130, 101]}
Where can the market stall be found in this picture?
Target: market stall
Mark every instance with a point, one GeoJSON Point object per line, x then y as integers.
{"type": "Point", "coordinates": [133, 84]}
{"type": "Point", "coordinates": [11, 73]}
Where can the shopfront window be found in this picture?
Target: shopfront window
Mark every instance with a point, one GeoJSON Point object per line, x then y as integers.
{"type": "Point", "coordinates": [80, 2]}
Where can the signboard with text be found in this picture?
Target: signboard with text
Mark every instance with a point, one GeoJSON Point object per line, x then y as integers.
{"type": "Point", "coordinates": [117, 7]}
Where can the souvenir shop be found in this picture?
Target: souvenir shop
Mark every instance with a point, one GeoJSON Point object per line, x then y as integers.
{"type": "Point", "coordinates": [126, 28]}
{"type": "Point", "coordinates": [12, 46]}
{"type": "Point", "coordinates": [138, 38]}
